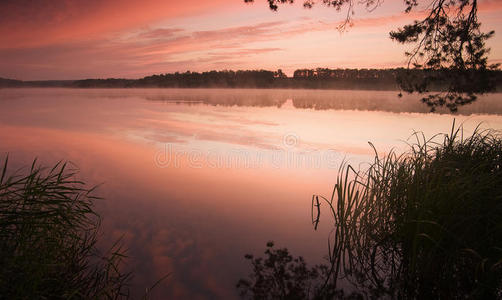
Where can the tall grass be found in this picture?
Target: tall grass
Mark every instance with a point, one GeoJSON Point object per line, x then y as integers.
{"type": "Point", "coordinates": [48, 236]}
{"type": "Point", "coordinates": [423, 224]}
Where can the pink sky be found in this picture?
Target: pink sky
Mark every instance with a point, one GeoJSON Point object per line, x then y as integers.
{"type": "Point", "coordinates": [75, 39]}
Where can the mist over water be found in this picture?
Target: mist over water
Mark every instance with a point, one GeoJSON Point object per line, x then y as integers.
{"type": "Point", "coordinates": [195, 178]}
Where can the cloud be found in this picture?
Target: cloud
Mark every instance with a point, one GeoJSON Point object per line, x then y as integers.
{"type": "Point", "coordinates": [30, 23]}
{"type": "Point", "coordinates": [160, 33]}
{"type": "Point", "coordinates": [70, 39]}
{"type": "Point", "coordinates": [260, 29]}
{"type": "Point", "coordinates": [147, 52]}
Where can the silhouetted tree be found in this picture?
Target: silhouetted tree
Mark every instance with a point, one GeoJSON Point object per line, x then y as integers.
{"type": "Point", "coordinates": [281, 276]}
{"type": "Point", "coordinates": [448, 46]}
{"type": "Point", "coordinates": [279, 74]}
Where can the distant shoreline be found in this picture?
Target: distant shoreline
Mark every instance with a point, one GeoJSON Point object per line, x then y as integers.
{"type": "Point", "coordinates": [322, 79]}
{"type": "Point", "coordinates": [497, 91]}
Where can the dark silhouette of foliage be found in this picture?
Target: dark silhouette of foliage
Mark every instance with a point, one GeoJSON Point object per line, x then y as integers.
{"type": "Point", "coordinates": [281, 276]}
{"type": "Point", "coordinates": [425, 224]}
{"type": "Point", "coordinates": [422, 225]}
{"type": "Point", "coordinates": [448, 46]}
{"type": "Point", "coordinates": [226, 78]}
{"type": "Point", "coordinates": [49, 232]}
{"type": "Point", "coordinates": [320, 78]}
{"type": "Point", "coordinates": [48, 239]}
{"type": "Point", "coordinates": [451, 50]}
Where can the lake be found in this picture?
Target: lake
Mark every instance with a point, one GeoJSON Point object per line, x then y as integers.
{"type": "Point", "coordinates": [193, 179]}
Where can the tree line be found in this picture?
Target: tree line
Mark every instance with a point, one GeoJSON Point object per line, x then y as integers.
{"type": "Point", "coordinates": [319, 78]}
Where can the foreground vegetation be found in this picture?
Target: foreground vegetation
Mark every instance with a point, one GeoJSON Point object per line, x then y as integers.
{"type": "Point", "coordinates": [48, 236]}
{"type": "Point", "coordinates": [420, 225]}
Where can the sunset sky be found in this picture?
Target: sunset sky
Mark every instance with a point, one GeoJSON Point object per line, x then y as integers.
{"type": "Point", "coordinates": [76, 39]}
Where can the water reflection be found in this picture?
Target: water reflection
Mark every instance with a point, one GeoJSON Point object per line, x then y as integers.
{"type": "Point", "coordinates": [387, 101]}
{"type": "Point", "coordinates": [193, 179]}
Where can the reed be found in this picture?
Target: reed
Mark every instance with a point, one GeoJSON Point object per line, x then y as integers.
{"type": "Point", "coordinates": [48, 235]}
{"type": "Point", "coordinates": [423, 224]}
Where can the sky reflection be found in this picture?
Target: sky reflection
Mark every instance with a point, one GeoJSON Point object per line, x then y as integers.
{"type": "Point", "coordinates": [193, 186]}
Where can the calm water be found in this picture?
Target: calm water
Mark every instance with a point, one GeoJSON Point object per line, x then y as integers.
{"type": "Point", "coordinates": [194, 179]}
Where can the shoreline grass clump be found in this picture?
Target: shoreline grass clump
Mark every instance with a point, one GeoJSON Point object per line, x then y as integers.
{"type": "Point", "coordinates": [48, 236]}
{"type": "Point", "coordinates": [425, 224]}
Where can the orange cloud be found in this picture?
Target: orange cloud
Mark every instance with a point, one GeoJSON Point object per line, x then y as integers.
{"type": "Point", "coordinates": [25, 23]}
{"type": "Point", "coordinates": [156, 50]}
{"type": "Point", "coordinates": [71, 39]}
